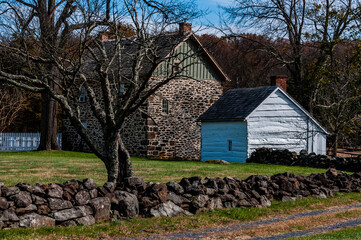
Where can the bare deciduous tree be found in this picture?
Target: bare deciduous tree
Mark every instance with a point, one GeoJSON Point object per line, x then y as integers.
{"type": "Point", "coordinates": [277, 19]}
{"type": "Point", "coordinates": [99, 66]}
{"type": "Point", "coordinates": [322, 79]}
{"type": "Point", "coordinates": [303, 25]}
{"type": "Point", "coordinates": [337, 98]}
{"type": "Point", "coordinates": [12, 101]}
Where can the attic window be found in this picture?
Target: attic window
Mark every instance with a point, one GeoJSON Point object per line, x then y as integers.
{"type": "Point", "coordinates": [164, 106]}
{"type": "Point", "coordinates": [82, 98]}
{"type": "Point", "coordinates": [176, 66]}
{"type": "Point", "coordinates": [229, 145]}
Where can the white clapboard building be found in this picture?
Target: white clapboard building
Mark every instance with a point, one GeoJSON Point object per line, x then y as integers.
{"type": "Point", "coordinates": [245, 119]}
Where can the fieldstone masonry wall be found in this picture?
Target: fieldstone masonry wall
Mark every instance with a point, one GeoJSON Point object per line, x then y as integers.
{"type": "Point", "coordinates": [134, 131]}
{"type": "Point", "coordinates": [84, 203]}
{"type": "Point", "coordinates": [175, 135]}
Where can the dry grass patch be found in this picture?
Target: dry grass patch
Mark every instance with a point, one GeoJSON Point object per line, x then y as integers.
{"type": "Point", "coordinates": [303, 223]}
{"type": "Point", "coordinates": [190, 169]}
{"type": "Point", "coordinates": [86, 164]}
{"type": "Point", "coordinates": [48, 169]}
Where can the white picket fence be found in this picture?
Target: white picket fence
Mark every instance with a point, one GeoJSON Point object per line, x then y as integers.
{"type": "Point", "coordinates": [14, 142]}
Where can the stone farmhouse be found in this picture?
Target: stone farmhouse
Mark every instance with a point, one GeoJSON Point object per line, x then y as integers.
{"type": "Point", "coordinates": [166, 128]}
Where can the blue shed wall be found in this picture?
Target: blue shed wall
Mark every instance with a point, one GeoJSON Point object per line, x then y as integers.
{"type": "Point", "coordinates": [215, 141]}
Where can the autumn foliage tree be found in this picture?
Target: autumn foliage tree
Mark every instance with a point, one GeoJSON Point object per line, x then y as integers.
{"type": "Point", "coordinates": [243, 59]}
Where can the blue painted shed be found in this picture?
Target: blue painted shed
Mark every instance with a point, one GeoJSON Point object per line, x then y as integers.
{"type": "Point", "coordinates": [243, 120]}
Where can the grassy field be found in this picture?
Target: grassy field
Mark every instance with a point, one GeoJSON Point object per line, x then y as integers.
{"type": "Point", "coordinates": [59, 166]}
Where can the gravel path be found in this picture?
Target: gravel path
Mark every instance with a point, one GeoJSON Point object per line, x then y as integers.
{"type": "Point", "coordinates": [313, 231]}
{"type": "Point", "coordinates": [207, 233]}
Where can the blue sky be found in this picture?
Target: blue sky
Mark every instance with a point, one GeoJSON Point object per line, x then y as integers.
{"type": "Point", "coordinates": [212, 6]}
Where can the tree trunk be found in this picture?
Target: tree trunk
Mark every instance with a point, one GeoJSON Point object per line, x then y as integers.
{"type": "Point", "coordinates": [125, 167]}
{"type": "Point", "coordinates": [49, 124]}
{"type": "Point", "coordinates": [48, 36]}
{"type": "Point", "coordinates": [117, 162]}
{"type": "Point", "coordinates": [335, 145]}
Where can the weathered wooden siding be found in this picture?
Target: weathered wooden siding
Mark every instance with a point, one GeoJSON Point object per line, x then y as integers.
{"type": "Point", "coordinates": [215, 137]}
{"type": "Point", "coordinates": [279, 123]}
{"type": "Point", "coordinates": [316, 140]}
{"type": "Point", "coordinates": [192, 62]}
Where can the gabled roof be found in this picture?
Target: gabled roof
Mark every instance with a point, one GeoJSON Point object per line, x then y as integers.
{"type": "Point", "coordinates": [239, 104]}
{"type": "Point", "coordinates": [164, 45]}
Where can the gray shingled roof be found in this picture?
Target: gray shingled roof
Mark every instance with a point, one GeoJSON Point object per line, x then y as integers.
{"type": "Point", "coordinates": [237, 104]}
{"type": "Point", "coordinates": [163, 45]}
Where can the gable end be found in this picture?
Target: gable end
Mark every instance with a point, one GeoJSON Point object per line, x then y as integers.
{"type": "Point", "coordinates": [295, 103]}
{"type": "Point", "coordinates": [195, 60]}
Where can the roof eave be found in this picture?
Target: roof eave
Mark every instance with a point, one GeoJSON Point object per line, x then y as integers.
{"type": "Point", "coordinates": [222, 120]}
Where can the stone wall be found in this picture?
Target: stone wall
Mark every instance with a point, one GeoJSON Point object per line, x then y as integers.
{"type": "Point", "coordinates": [134, 133]}
{"type": "Point", "coordinates": [285, 157]}
{"type": "Point", "coordinates": [134, 130]}
{"type": "Point", "coordinates": [177, 135]}
{"type": "Point", "coordinates": [84, 203]}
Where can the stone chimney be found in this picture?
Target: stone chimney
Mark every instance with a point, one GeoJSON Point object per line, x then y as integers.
{"type": "Point", "coordinates": [279, 80]}
{"type": "Point", "coordinates": [104, 36]}
{"type": "Point", "coordinates": [185, 27]}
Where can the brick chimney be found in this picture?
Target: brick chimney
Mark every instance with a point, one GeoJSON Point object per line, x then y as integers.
{"type": "Point", "coordinates": [104, 36]}
{"type": "Point", "coordinates": [279, 80]}
{"type": "Point", "coordinates": [185, 27]}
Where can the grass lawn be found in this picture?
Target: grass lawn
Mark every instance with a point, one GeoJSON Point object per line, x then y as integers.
{"type": "Point", "coordinates": [59, 166]}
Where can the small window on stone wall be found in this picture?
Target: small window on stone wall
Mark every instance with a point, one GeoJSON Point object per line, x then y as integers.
{"type": "Point", "coordinates": [229, 145]}
{"type": "Point", "coordinates": [164, 106]}
{"type": "Point", "coordinates": [82, 97]}
{"type": "Point", "coordinates": [121, 89]}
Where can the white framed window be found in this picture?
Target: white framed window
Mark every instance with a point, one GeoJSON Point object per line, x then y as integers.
{"type": "Point", "coordinates": [165, 109]}
{"type": "Point", "coordinates": [82, 97]}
